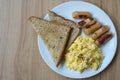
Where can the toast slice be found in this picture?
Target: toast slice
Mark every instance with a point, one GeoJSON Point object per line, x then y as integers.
{"type": "Point", "coordinates": [61, 20]}
{"type": "Point", "coordinates": [54, 36]}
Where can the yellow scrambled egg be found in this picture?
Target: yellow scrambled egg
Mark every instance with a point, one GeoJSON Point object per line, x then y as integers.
{"type": "Point", "coordinates": [83, 54]}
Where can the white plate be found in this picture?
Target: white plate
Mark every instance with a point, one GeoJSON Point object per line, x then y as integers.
{"type": "Point", "coordinates": [108, 49]}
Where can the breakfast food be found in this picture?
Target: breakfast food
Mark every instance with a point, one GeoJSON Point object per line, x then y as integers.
{"type": "Point", "coordinates": [104, 38]}
{"type": "Point", "coordinates": [93, 21]}
{"type": "Point", "coordinates": [59, 33]}
{"type": "Point", "coordinates": [83, 54]}
{"type": "Point", "coordinates": [87, 22]}
{"type": "Point", "coordinates": [54, 36]}
{"type": "Point", "coordinates": [81, 15]}
{"type": "Point", "coordinates": [92, 28]}
{"type": "Point", "coordinates": [100, 32]}
{"type": "Point", "coordinates": [60, 20]}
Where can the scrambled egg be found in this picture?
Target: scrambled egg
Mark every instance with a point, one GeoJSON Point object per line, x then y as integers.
{"type": "Point", "coordinates": [83, 54]}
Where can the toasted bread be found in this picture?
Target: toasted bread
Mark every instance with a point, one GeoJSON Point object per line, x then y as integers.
{"type": "Point", "coordinates": [59, 19]}
{"type": "Point", "coordinates": [54, 36]}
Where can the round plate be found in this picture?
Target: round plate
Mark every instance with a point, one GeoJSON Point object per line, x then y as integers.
{"type": "Point", "coordinates": [108, 49]}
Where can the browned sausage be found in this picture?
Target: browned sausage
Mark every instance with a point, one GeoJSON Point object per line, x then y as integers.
{"type": "Point", "coordinates": [81, 15]}
{"type": "Point", "coordinates": [104, 38]}
{"type": "Point", "coordinates": [87, 22]}
{"type": "Point", "coordinates": [92, 28]}
{"type": "Point", "coordinates": [100, 32]}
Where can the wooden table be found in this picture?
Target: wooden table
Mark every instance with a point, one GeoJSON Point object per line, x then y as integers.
{"type": "Point", "coordinates": [19, 55]}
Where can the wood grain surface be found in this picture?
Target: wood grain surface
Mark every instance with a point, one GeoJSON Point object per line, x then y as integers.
{"type": "Point", "coordinates": [19, 55]}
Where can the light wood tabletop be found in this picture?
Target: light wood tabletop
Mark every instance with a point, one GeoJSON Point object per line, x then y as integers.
{"type": "Point", "coordinates": [19, 54]}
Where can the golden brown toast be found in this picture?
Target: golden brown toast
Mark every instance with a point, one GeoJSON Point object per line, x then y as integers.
{"type": "Point", "coordinates": [60, 20]}
{"type": "Point", "coordinates": [54, 36]}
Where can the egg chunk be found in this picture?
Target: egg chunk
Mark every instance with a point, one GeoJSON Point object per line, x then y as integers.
{"type": "Point", "coordinates": [83, 54]}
